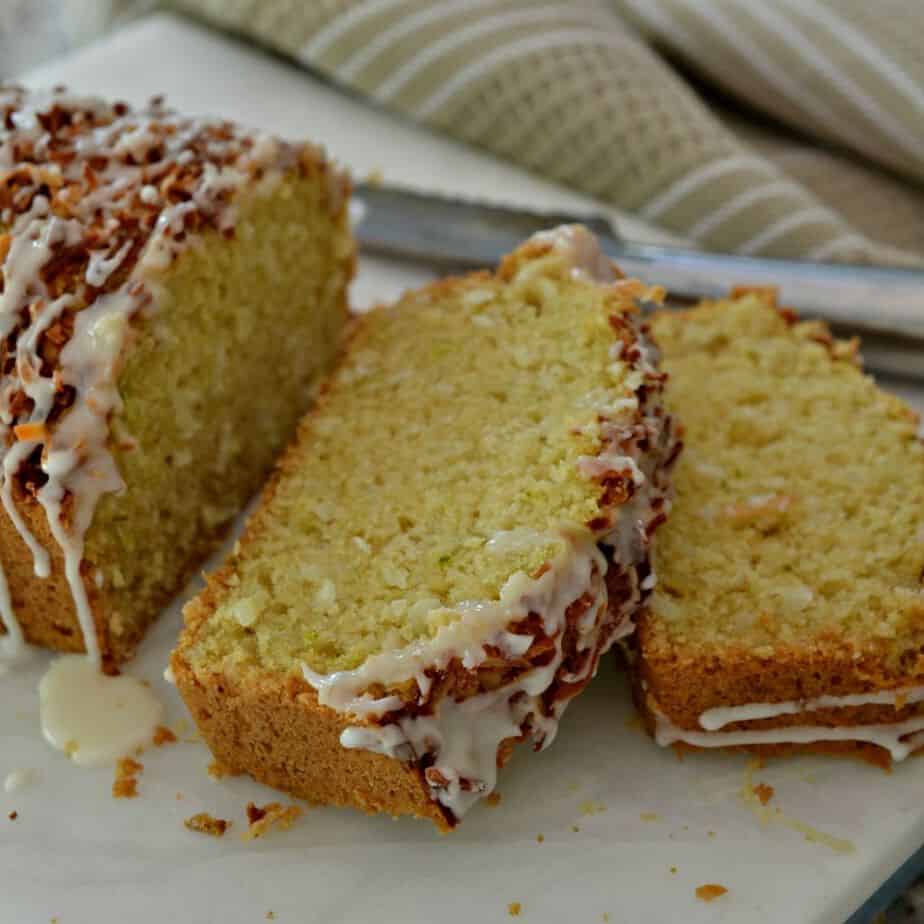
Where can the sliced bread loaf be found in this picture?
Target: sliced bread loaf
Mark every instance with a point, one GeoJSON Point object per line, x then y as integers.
{"type": "Point", "coordinates": [789, 611]}
{"type": "Point", "coordinates": [170, 290]}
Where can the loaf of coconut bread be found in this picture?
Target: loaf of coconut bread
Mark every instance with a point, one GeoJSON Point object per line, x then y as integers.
{"type": "Point", "coordinates": [460, 531]}
{"type": "Point", "coordinates": [789, 611]}
{"type": "Point", "coordinates": [171, 290]}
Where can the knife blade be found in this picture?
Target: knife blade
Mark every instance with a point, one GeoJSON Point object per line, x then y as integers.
{"type": "Point", "coordinates": [884, 304]}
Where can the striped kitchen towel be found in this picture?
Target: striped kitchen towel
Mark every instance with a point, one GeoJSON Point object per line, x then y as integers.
{"type": "Point", "coordinates": [785, 128]}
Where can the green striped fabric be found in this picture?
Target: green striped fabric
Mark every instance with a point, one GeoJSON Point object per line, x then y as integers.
{"type": "Point", "coordinates": [577, 92]}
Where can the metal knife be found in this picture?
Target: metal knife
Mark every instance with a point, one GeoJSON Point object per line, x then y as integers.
{"type": "Point", "coordinates": [883, 304]}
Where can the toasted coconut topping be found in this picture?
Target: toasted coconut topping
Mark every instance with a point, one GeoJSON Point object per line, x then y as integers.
{"type": "Point", "coordinates": [96, 199]}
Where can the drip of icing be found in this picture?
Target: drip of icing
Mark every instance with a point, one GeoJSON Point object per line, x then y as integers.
{"type": "Point", "coordinates": [460, 739]}
{"type": "Point", "coordinates": [101, 164]}
{"type": "Point", "coordinates": [892, 736]}
{"type": "Point", "coordinates": [12, 644]}
{"type": "Point", "coordinates": [94, 718]}
{"type": "Point", "coordinates": [719, 717]}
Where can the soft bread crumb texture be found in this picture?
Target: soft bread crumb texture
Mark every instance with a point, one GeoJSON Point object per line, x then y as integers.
{"type": "Point", "coordinates": [213, 387]}
{"type": "Point", "coordinates": [799, 511]}
{"type": "Point", "coordinates": [458, 416]}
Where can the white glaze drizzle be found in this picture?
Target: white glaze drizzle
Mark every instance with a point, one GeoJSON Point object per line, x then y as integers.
{"type": "Point", "coordinates": [900, 739]}
{"type": "Point", "coordinates": [720, 716]}
{"type": "Point", "coordinates": [461, 739]}
{"type": "Point", "coordinates": [115, 157]}
{"type": "Point", "coordinates": [479, 623]}
{"type": "Point", "coordinates": [464, 737]}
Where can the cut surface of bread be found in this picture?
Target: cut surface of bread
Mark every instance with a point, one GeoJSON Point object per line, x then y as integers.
{"type": "Point", "coordinates": [173, 289]}
{"type": "Point", "coordinates": [789, 611]}
{"type": "Point", "coordinates": [423, 583]}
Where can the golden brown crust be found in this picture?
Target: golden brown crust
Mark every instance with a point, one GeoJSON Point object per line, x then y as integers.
{"type": "Point", "coordinates": [275, 730]}
{"type": "Point", "coordinates": [861, 750]}
{"type": "Point", "coordinates": [682, 686]}
{"type": "Point", "coordinates": [687, 684]}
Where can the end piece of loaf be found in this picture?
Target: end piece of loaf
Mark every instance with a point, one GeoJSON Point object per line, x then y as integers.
{"type": "Point", "coordinates": [171, 290]}
{"type": "Point", "coordinates": [789, 612]}
{"type": "Point", "coordinates": [459, 533]}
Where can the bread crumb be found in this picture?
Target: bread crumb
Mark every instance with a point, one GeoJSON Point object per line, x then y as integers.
{"type": "Point", "coordinates": [493, 800]}
{"type": "Point", "coordinates": [13, 815]}
{"type": "Point", "coordinates": [207, 824]}
{"type": "Point", "coordinates": [764, 792]}
{"type": "Point", "coordinates": [125, 784]}
{"type": "Point", "coordinates": [125, 789]}
{"type": "Point", "coordinates": [375, 177]}
{"type": "Point", "coordinates": [650, 816]}
{"type": "Point", "coordinates": [163, 735]}
{"type": "Point", "coordinates": [179, 797]}
{"type": "Point", "coordinates": [514, 909]}
{"type": "Point", "coordinates": [218, 771]}
{"type": "Point", "coordinates": [129, 767]}
{"type": "Point", "coordinates": [710, 891]}
{"type": "Point", "coordinates": [673, 870]}
{"type": "Point", "coordinates": [540, 838]}
{"type": "Point", "coordinates": [270, 915]}
{"type": "Point", "coordinates": [272, 815]}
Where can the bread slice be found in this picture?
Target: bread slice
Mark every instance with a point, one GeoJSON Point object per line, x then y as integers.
{"type": "Point", "coordinates": [172, 288]}
{"type": "Point", "coordinates": [423, 583]}
{"type": "Point", "coordinates": [789, 611]}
